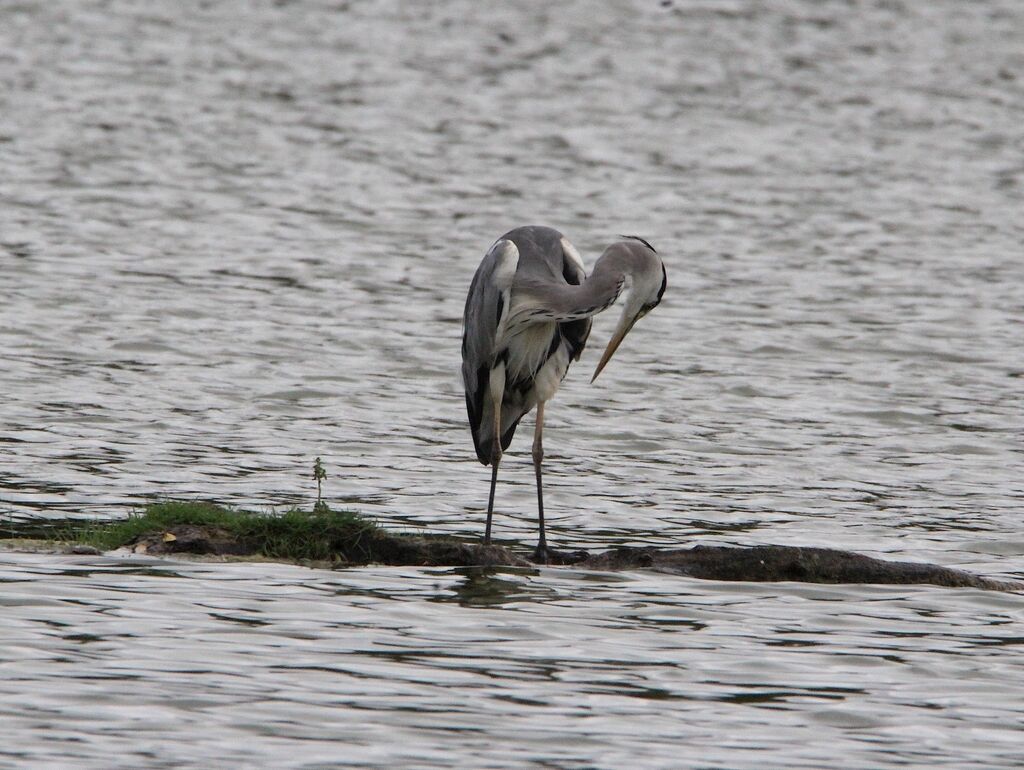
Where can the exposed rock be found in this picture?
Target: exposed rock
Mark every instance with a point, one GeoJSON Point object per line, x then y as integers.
{"type": "Point", "coordinates": [758, 563]}
{"type": "Point", "coordinates": [192, 538]}
{"type": "Point", "coordinates": [376, 548]}
{"type": "Point", "coordinates": [781, 562]}
{"type": "Point", "coordinates": [411, 551]}
{"type": "Point", "coordinates": [81, 549]}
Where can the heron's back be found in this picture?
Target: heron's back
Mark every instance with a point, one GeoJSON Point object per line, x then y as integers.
{"type": "Point", "coordinates": [536, 354]}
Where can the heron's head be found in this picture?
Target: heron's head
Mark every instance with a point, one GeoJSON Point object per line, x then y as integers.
{"type": "Point", "coordinates": [644, 281]}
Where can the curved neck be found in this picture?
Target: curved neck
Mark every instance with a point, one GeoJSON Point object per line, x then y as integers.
{"type": "Point", "coordinates": [541, 301]}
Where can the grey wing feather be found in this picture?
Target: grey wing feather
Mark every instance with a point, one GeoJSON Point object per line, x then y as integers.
{"type": "Point", "coordinates": [485, 305]}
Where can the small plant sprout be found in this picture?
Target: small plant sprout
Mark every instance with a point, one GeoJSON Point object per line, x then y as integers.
{"type": "Point", "coordinates": [319, 474]}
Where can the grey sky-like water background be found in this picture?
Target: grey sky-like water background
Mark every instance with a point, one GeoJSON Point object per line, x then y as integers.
{"type": "Point", "coordinates": [237, 236]}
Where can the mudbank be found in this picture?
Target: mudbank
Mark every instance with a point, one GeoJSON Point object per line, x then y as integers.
{"type": "Point", "coordinates": [346, 539]}
{"type": "Point", "coordinates": [764, 563]}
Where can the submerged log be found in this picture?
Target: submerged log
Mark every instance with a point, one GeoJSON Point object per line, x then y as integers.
{"type": "Point", "coordinates": [763, 563]}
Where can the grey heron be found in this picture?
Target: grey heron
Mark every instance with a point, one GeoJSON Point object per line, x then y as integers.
{"type": "Point", "coordinates": [527, 317]}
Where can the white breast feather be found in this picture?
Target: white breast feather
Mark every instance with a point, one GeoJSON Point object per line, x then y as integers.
{"type": "Point", "coordinates": [527, 345]}
{"type": "Point", "coordinates": [551, 374]}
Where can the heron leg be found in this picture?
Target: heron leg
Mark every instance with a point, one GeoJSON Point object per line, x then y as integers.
{"type": "Point", "coordinates": [497, 391]}
{"type": "Point", "coordinates": [495, 459]}
{"type": "Point", "coordinates": [541, 554]}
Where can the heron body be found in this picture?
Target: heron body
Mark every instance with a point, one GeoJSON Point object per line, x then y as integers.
{"type": "Point", "coordinates": [527, 318]}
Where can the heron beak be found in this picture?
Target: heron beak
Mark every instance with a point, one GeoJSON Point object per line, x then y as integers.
{"type": "Point", "coordinates": [613, 344]}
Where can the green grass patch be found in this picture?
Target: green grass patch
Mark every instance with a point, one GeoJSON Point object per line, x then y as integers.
{"type": "Point", "coordinates": [320, 534]}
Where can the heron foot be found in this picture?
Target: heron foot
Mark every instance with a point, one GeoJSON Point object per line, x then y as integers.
{"type": "Point", "coordinates": [546, 555]}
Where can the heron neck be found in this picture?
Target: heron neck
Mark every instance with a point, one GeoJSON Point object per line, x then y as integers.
{"type": "Point", "coordinates": [545, 301]}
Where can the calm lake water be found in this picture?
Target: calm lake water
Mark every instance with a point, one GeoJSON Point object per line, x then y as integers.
{"type": "Point", "coordinates": [238, 236]}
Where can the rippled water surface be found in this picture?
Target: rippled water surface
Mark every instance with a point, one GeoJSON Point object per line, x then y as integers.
{"type": "Point", "coordinates": [234, 237]}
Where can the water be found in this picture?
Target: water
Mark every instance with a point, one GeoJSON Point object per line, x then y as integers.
{"type": "Point", "coordinates": [152, 664]}
{"type": "Point", "coordinates": [234, 237]}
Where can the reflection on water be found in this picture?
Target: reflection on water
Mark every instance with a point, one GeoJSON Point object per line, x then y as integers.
{"type": "Point", "coordinates": [233, 239]}
{"type": "Point", "coordinates": [487, 587]}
